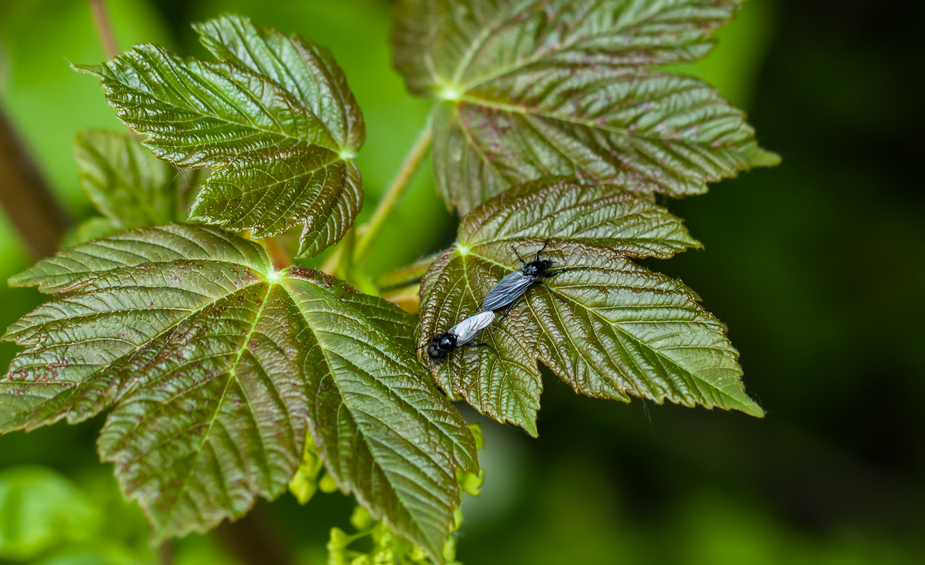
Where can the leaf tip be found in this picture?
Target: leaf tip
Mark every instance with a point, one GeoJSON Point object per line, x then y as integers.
{"type": "Point", "coordinates": [529, 426]}
{"type": "Point", "coordinates": [308, 245]}
{"type": "Point", "coordinates": [752, 409]}
{"type": "Point", "coordinates": [690, 242]}
{"type": "Point", "coordinates": [95, 70]}
{"type": "Point", "coordinates": [197, 210]}
{"type": "Point", "coordinates": [758, 157]}
{"type": "Point", "coordinates": [22, 279]}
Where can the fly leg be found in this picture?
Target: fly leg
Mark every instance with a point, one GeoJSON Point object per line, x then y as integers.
{"type": "Point", "coordinates": [556, 272]}
{"type": "Point", "coordinates": [488, 345]}
{"type": "Point", "coordinates": [519, 258]}
{"type": "Point", "coordinates": [506, 312]}
{"type": "Point", "coordinates": [545, 243]}
{"type": "Point", "coordinates": [553, 293]}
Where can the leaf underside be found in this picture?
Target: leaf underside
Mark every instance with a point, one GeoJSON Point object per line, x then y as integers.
{"type": "Point", "coordinates": [273, 118]}
{"type": "Point", "coordinates": [535, 88]}
{"type": "Point", "coordinates": [612, 330]}
{"type": "Point", "coordinates": [216, 368]}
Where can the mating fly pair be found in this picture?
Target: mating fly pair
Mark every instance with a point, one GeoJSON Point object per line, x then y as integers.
{"type": "Point", "coordinates": [502, 296]}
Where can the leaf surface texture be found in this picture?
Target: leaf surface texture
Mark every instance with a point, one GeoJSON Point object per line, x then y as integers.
{"type": "Point", "coordinates": [535, 88]}
{"type": "Point", "coordinates": [127, 184]}
{"type": "Point", "coordinates": [217, 367]}
{"type": "Point", "coordinates": [273, 118]}
{"type": "Point", "coordinates": [612, 329]}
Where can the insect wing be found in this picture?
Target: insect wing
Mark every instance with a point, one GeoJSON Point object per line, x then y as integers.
{"type": "Point", "coordinates": [472, 326]}
{"type": "Point", "coordinates": [507, 291]}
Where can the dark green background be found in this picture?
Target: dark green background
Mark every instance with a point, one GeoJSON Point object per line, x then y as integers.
{"type": "Point", "coordinates": [815, 266]}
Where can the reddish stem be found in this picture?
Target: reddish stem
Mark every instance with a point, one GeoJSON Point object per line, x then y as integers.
{"type": "Point", "coordinates": [103, 27]}
{"type": "Point", "coordinates": [29, 205]}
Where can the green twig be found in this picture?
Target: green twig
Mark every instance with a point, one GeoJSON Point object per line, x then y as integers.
{"type": "Point", "coordinates": [332, 262]}
{"type": "Point", "coordinates": [370, 230]}
{"type": "Point", "coordinates": [406, 275]}
{"type": "Point", "coordinates": [345, 261]}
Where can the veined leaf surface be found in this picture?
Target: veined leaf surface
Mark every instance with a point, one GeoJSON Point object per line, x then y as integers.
{"type": "Point", "coordinates": [612, 330]}
{"type": "Point", "coordinates": [534, 88]}
{"type": "Point", "coordinates": [217, 366]}
{"type": "Point", "coordinates": [127, 184]}
{"type": "Point", "coordinates": [273, 117]}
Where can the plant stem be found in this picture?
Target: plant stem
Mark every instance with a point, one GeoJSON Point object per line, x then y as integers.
{"type": "Point", "coordinates": [165, 553]}
{"type": "Point", "coordinates": [386, 206]}
{"type": "Point", "coordinates": [277, 253]}
{"type": "Point", "coordinates": [254, 540]}
{"type": "Point", "coordinates": [345, 261]}
{"type": "Point", "coordinates": [330, 265]}
{"type": "Point", "coordinates": [29, 205]}
{"type": "Point", "coordinates": [103, 28]}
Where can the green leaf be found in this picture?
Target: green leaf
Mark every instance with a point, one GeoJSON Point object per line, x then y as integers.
{"type": "Point", "coordinates": [127, 184]}
{"type": "Point", "coordinates": [386, 548]}
{"type": "Point", "coordinates": [304, 483]}
{"type": "Point", "coordinates": [613, 330]}
{"type": "Point", "coordinates": [40, 509]}
{"type": "Point", "coordinates": [273, 117]}
{"type": "Point", "coordinates": [533, 88]}
{"type": "Point", "coordinates": [217, 366]}
{"type": "Point", "coordinates": [97, 227]}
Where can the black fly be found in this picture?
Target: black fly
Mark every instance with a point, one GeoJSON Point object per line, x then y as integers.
{"type": "Point", "coordinates": [459, 335]}
{"type": "Point", "coordinates": [513, 286]}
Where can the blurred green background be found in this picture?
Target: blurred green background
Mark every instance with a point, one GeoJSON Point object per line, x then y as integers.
{"type": "Point", "coordinates": [816, 267]}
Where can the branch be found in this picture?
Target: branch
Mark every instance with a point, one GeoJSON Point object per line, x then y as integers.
{"type": "Point", "coordinates": [25, 197]}
{"type": "Point", "coordinates": [165, 553]}
{"type": "Point", "coordinates": [103, 28]}
{"type": "Point", "coordinates": [252, 540]}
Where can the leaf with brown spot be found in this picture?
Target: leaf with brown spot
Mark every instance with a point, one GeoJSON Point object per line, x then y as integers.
{"type": "Point", "coordinates": [216, 368]}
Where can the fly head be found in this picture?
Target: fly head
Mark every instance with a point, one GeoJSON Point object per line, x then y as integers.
{"type": "Point", "coordinates": [537, 269]}
{"type": "Point", "coordinates": [434, 353]}
{"type": "Point", "coordinates": [439, 346]}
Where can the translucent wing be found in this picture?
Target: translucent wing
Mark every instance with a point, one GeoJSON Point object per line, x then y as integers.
{"type": "Point", "coordinates": [472, 326]}
{"type": "Point", "coordinates": [508, 290]}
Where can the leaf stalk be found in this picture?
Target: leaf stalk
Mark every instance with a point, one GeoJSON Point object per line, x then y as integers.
{"type": "Point", "coordinates": [278, 255]}
{"type": "Point", "coordinates": [345, 260]}
{"type": "Point", "coordinates": [368, 232]}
